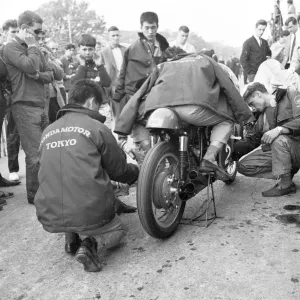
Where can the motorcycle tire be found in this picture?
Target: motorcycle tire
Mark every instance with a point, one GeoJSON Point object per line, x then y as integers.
{"type": "Point", "coordinates": [145, 192]}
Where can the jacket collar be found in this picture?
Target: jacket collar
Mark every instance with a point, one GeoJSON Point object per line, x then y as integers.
{"type": "Point", "coordinates": [80, 109]}
{"type": "Point", "coordinates": [161, 40]}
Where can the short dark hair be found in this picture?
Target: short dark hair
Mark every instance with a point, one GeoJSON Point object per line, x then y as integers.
{"type": "Point", "coordinates": [284, 33]}
{"type": "Point", "coordinates": [84, 89]}
{"type": "Point", "coordinates": [254, 87]}
{"type": "Point", "coordinates": [149, 16]}
{"type": "Point", "coordinates": [184, 29]}
{"type": "Point", "coordinates": [28, 18]}
{"type": "Point", "coordinates": [261, 22]}
{"type": "Point", "coordinates": [70, 46]}
{"type": "Point", "coordinates": [9, 24]}
{"type": "Point", "coordinates": [290, 1]}
{"type": "Point", "coordinates": [87, 40]}
{"type": "Point", "coordinates": [289, 20]}
{"type": "Point", "coordinates": [113, 28]}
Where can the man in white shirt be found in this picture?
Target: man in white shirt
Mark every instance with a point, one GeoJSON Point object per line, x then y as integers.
{"type": "Point", "coordinates": [181, 41]}
{"type": "Point", "coordinates": [112, 57]}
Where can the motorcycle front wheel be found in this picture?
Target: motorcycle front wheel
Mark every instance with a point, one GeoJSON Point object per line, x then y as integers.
{"type": "Point", "coordinates": [159, 207]}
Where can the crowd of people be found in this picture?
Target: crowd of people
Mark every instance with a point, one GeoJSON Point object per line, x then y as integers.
{"type": "Point", "coordinates": [75, 164]}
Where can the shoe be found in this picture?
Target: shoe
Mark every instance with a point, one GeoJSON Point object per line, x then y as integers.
{"type": "Point", "coordinates": [5, 183]}
{"type": "Point", "coordinates": [122, 208]}
{"type": "Point", "coordinates": [4, 195]}
{"type": "Point", "coordinates": [73, 242]}
{"type": "Point", "coordinates": [87, 255]}
{"type": "Point", "coordinates": [13, 176]}
{"type": "Point", "coordinates": [276, 191]}
{"type": "Point", "coordinates": [207, 166]}
{"type": "Point", "coordinates": [121, 190]}
{"type": "Point", "coordinates": [2, 202]}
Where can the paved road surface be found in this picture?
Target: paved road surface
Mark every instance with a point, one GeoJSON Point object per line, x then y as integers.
{"type": "Point", "coordinates": [247, 253]}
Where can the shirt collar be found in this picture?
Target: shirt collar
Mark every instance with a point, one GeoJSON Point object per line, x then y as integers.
{"type": "Point", "coordinates": [20, 41]}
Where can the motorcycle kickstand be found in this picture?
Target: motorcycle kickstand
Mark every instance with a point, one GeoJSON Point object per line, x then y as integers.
{"type": "Point", "coordinates": [210, 202]}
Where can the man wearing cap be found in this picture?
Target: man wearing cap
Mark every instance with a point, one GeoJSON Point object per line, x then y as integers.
{"type": "Point", "coordinates": [278, 129]}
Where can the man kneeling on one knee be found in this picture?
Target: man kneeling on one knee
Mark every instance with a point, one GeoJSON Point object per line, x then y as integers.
{"type": "Point", "coordinates": [79, 157]}
{"type": "Point", "coordinates": [279, 156]}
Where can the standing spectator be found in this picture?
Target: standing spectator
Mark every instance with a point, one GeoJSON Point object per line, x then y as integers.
{"type": "Point", "coordinates": [112, 56]}
{"type": "Point", "coordinates": [3, 182]}
{"type": "Point", "coordinates": [291, 41]}
{"type": "Point", "coordinates": [28, 72]}
{"type": "Point", "coordinates": [291, 9]}
{"type": "Point", "coordinates": [255, 51]}
{"type": "Point", "coordinates": [277, 14]}
{"type": "Point", "coordinates": [139, 60]}
{"type": "Point", "coordinates": [57, 93]}
{"type": "Point", "coordinates": [10, 29]}
{"type": "Point", "coordinates": [181, 41]}
{"type": "Point", "coordinates": [69, 66]}
{"type": "Point", "coordinates": [98, 47]}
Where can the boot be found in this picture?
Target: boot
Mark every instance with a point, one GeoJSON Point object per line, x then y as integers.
{"type": "Point", "coordinates": [72, 242]}
{"type": "Point", "coordinates": [87, 255]}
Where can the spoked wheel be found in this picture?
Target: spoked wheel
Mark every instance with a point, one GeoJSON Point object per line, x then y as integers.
{"type": "Point", "coordinates": [227, 163]}
{"type": "Point", "coordinates": [159, 206]}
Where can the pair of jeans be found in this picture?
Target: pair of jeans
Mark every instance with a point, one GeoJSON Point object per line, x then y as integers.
{"type": "Point", "coordinates": [283, 158]}
{"type": "Point", "coordinates": [13, 143]}
{"type": "Point", "coordinates": [30, 122]}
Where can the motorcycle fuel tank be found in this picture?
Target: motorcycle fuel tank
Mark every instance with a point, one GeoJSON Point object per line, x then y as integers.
{"type": "Point", "coordinates": [163, 118]}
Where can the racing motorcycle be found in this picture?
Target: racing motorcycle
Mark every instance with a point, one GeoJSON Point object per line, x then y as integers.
{"type": "Point", "coordinates": [170, 174]}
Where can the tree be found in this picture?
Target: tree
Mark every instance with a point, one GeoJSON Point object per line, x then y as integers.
{"type": "Point", "coordinates": [66, 20]}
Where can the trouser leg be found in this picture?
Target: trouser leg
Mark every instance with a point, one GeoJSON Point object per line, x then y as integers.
{"type": "Point", "coordinates": [13, 143]}
{"type": "Point", "coordinates": [285, 155]}
{"type": "Point", "coordinates": [30, 122]}
{"type": "Point", "coordinates": [256, 164]}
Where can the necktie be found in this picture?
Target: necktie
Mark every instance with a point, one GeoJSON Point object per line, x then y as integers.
{"type": "Point", "coordinates": [293, 46]}
{"type": "Point", "coordinates": [260, 42]}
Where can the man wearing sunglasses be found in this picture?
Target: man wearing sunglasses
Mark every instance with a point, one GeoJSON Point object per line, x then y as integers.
{"type": "Point", "coordinates": [28, 72]}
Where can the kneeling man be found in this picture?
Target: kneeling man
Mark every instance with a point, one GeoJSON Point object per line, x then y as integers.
{"type": "Point", "coordinates": [79, 157]}
{"type": "Point", "coordinates": [280, 132]}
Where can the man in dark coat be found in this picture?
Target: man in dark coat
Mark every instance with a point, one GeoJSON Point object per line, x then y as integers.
{"type": "Point", "coordinates": [139, 60]}
{"type": "Point", "coordinates": [279, 132]}
{"type": "Point", "coordinates": [79, 157]}
{"type": "Point", "coordinates": [202, 94]}
{"type": "Point", "coordinates": [255, 51]}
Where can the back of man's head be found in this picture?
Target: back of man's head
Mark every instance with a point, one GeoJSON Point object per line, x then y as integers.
{"type": "Point", "coordinates": [150, 17]}
{"type": "Point", "coordinates": [185, 29]}
{"type": "Point", "coordinates": [289, 20]}
{"type": "Point", "coordinates": [9, 24]}
{"type": "Point", "coordinates": [28, 18]}
{"type": "Point", "coordinates": [261, 22]}
{"type": "Point", "coordinates": [87, 40]}
{"type": "Point", "coordinates": [85, 89]}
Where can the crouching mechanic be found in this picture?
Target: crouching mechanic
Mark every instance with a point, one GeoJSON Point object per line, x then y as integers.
{"type": "Point", "coordinates": [279, 130]}
{"type": "Point", "coordinates": [79, 157]}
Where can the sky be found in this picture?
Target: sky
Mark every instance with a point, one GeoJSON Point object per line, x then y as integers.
{"type": "Point", "coordinates": [228, 21]}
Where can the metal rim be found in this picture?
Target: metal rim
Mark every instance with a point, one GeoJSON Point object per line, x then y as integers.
{"type": "Point", "coordinates": [167, 214]}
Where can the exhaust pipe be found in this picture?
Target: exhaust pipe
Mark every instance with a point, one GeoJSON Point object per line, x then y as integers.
{"type": "Point", "coordinates": [197, 177]}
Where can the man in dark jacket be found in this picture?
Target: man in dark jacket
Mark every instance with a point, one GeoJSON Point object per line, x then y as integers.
{"type": "Point", "coordinates": [139, 61]}
{"type": "Point", "coordinates": [280, 133]}
{"type": "Point", "coordinates": [79, 158]}
{"type": "Point", "coordinates": [255, 51]}
{"type": "Point", "coordinates": [28, 72]}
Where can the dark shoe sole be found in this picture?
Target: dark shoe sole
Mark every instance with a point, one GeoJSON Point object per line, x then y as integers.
{"type": "Point", "coordinates": [85, 257]}
{"type": "Point", "coordinates": [10, 183]}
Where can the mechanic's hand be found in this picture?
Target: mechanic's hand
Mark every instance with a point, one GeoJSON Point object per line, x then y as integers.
{"type": "Point", "coordinates": [97, 59]}
{"type": "Point", "coordinates": [270, 136]}
{"type": "Point", "coordinates": [34, 76]}
{"type": "Point", "coordinates": [81, 60]}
